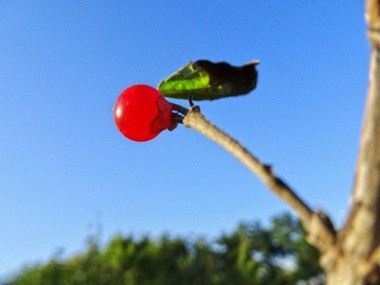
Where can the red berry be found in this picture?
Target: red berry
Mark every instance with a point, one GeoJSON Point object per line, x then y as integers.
{"type": "Point", "coordinates": [141, 113]}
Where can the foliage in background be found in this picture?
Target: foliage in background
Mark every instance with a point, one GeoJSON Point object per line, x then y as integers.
{"type": "Point", "coordinates": [251, 254]}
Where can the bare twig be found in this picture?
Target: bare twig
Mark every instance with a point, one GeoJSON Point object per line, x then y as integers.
{"type": "Point", "coordinates": [316, 223]}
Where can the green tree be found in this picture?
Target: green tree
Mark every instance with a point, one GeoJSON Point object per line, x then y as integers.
{"type": "Point", "coordinates": [251, 254]}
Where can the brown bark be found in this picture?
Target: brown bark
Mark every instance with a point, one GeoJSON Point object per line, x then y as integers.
{"type": "Point", "coordinates": [358, 242]}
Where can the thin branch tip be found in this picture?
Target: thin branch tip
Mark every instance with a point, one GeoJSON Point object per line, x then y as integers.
{"type": "Point", "coordinates": [197, 121]}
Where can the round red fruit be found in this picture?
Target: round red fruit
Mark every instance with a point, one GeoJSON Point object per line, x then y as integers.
{"type": "Point", "coordinates": [141, 113]}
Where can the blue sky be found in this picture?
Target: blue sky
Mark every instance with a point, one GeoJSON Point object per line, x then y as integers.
{"type": "Point", "coordinates": [64, 168]}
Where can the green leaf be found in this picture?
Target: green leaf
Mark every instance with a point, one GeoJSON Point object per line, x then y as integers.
{"type": "Point", "coordinates": [205, 80]}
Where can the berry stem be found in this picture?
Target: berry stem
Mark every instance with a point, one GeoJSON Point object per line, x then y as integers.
{"type": "Point", "coordinates": [179, 112]}
{"type": "Point", "coordinates": [180, 109]}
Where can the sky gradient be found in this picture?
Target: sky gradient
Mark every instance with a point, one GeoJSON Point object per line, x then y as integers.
{"type": "Point", "coordinates": [65, 169]}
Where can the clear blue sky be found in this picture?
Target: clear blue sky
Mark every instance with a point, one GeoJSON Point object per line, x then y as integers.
{"type": "Point", "coordinates": [64, 168]}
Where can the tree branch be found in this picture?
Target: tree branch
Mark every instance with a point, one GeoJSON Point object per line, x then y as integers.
{"type": "Point", "coordinates": [360, 234]}
{"type": "Point", "coordinates": [315, 223]}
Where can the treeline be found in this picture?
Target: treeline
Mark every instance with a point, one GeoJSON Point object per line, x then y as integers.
{"type": "Point", "coordinates": [251, 254]}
